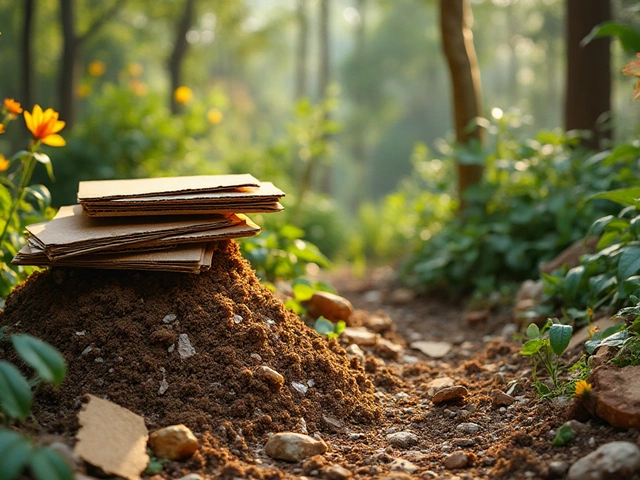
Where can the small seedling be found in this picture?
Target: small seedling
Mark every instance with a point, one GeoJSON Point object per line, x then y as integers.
{"type": "Point", "coordinates": [545, 346]}
{"type": "Point", "coordinates": [325, 327]}
{"type": "Point", "coordinates": [564, 435]}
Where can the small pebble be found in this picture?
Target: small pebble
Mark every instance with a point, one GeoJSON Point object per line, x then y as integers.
{"type": "Point", "coordinates": [456, 460]}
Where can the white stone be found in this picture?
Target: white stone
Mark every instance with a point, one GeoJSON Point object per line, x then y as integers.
{"type": "Point", "coordinates": [469, 427]}
{"type": "Point", "coordinates": [293, 447]}
{"type": "Point", "coordinates": [403, 439]}
{"type": "Point", "coordinates": [360, 336]}
{"type": "Point", "coordinates": [432, 349]}
{"type": "Point", "coordinates": [611, 460]}
{"type": "Point", "coordinates": [300, 387]}
{"type": "Point", "coordinates": [184, 346]}
{"type": "Point", "coordinates": [169, 318]}
{"type": "Point", "coordinates": [400, 464]}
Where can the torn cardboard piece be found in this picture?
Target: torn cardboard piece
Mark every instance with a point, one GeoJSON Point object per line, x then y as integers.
{"type": "Point", "coordinates": [112, 438]}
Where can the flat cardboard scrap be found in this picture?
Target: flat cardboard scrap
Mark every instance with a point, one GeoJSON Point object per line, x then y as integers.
{"type": "Point", "coordinates": [168, 224]}
{"type": "Point", "coordinates": [112, 438]}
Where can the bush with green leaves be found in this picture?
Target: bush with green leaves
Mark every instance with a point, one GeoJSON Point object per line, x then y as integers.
{"type": "Point", "coordinates": [17, 452]}
{"type": "Point", "coordinates": [529, 206]}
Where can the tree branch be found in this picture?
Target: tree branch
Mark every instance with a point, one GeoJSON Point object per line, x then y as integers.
{"type": "Point", "coordinates": [100, 21]}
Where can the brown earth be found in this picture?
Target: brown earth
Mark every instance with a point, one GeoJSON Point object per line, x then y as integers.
{"type": "Point", "coordinates": [118, 333]}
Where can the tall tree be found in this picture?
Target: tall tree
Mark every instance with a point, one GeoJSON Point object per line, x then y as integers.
{"type": "Point", "coordinates": [457, 43]}
{"type": "Point", "coordinates": [325, 49]}
{"type": "Point", "coordinates": [180, 47]}
{"type": "Point", "coordinates": [27, 53]}
{"type": "Point", "coordinates": [302, 49]}
{"type": "Point", "coordinates": [72, 43]}
{"type": "Point", "coordinates": [588, 87]}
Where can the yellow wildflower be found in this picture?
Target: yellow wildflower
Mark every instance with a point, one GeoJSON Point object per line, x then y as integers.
{"type": "Point", "coordinates": [138, 88]}
{"type": "Point", "coordinates": [4, 163]}
{"type": "Point", "coordinates": [592, 330]}
{"type": "Point", "coordinates": [135, 69]}
{"type": "Point", "coordinates": [214, 116]}
{"type": "Point", "coordinates": [12, 106]}
{"type": "Point", "coordinates": [44, 126]}
{"type": "Point", "coordinates": [183, 95]}
{"type": "Point", "coordinates": [583, 389]}
{"type": "Point", "coordinates": [97, 68]}
{"type": "Point", "coordinates": [1, 128]}
{"type": "Point", "coordinates": [83, 91]}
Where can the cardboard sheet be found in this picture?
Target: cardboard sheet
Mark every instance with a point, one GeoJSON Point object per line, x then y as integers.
{"type": "Point", "coordinates": [102, 189]}
{"type": "Point", "coordinates": [112, 438]}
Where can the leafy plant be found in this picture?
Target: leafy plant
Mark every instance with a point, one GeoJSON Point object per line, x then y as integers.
{"type": "Point", "coordinates": [545, 346]}
{"type": "Point", "coordinates": [17, 452]}
{"type": "Point", "coordinates": [303, 289]}
{"type": "Point", "coordinates": [563, 436]}
{"type": "Point", "coordinates": [329, 329]}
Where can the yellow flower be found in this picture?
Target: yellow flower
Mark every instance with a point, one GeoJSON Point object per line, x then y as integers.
{"type": "Point", "coordinates": [183, 95]}
{"type": "Point", "coordinates": [583, 389]}
{"type": "Point", "coordinates": [97, 68]}
{"type": "Point", "coordinates": [1, 128]}
{"type": "Point", "coordinates": [4, 163]}
{"type": "Point", "coordinates": [12, 106]}
{"type": "Point", "coordinates": [135, 69]}
{"type": "Point", "coordinates": [592, 330]}
{"type": "Point", "coordinates": [83, 91]}
{"type": "Point", "coordinates": [214, 116]}
{"type": "Point", "coordinates": [138, 88]}
{"type": "Point", "coordinates": [44, 126]}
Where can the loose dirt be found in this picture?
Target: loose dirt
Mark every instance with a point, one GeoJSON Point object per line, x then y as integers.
{"type": "Point", "coordinates": [119, 332]}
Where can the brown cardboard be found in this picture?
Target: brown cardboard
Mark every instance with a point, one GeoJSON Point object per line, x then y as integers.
{"type": "Point", "coordinates": [112, 438]}
{"type": "Point", "coordinates": [101, 189]}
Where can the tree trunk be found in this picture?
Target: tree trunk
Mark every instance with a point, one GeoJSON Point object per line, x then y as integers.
{"type": "Point", "coordinates": [325, 51]}
{"type": "Point", "coordinates": [69, 68]}
{"type": "Point", "coordinates": [457, 43]}
{"type": "Point", "coordinates": [180, 47]}
{"type": "Point", "coordinates": [588, 87]}
{"type": "Point", "coordinates": [301, 50]}
{"type": "Point", "coordinates": [27, 54]}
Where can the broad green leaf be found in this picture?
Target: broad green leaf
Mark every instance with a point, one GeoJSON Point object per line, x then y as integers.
{"type": "Point", "coordinates": [45, 464]}
{"type": "Point", "coordinates": [624, 196]}
{"type": "Point", "coordinates": [607, 332]}
{"type": "Point", "coordinates": [634, 226]}
{"type": "Point", "coordinates": [303, 292]}
{"type": "Point", "coordinates": [629, 263]}
{"type": "Point", "coordinates": [44, 159]}
{"type": "Point", "coordinates": [629, 38]}
{"type": "Point", "coordinates": [14, 450]}
{"type": "Point", "coordinates": [532, 347]}
{"type": "Point", "coordinates": [323, 326]}
{"type": "Point", "coordinates": [564, 435]}
{"type": "Point", "coordinates": [340, 326]}
{"type": "Point", "coordinates": [291, 232]}
{"type": "Point", "coordinates": [42, 357]}
{"type": "Point", "coordinates": [572, 282]}
{"type": "Point", "coordinates": [559, 337]}
{"type": "Point", "coordinates": [15, 394]}
{"type": "Point", "coordinates": [597, 227]}
{"type": "Point", "coordinates": [533, 331]}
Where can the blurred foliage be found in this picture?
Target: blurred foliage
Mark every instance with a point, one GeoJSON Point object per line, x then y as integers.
{"type": "Point", "coordinates": [529, 207]}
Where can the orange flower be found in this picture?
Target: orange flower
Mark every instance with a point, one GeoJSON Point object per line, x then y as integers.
{"type": "Point", "coordinates": [214, 116]}
{"type": "Point", "coordinates": [1, 128]}
{"type": "Point", "coordinates": [12, 106]}
{"type": "Point", "coordinates": [582, 389]}
{"type": "Point", "coordinates": [4, 163]}
{"type": "Point", "coordinates": [44, 126]}
{"type": "Point", "coordinates": [183, 95]}
{"type": "Point", "coordinates": [97, 68]}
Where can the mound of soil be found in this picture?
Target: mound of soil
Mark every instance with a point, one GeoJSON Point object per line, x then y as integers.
{"type": "Point", "coordinates": [119, 332]}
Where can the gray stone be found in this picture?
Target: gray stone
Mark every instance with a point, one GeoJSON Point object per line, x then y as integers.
{"type": "Point", "coordinates": [456, 460]}
{"type": "Point", "coordinates": [468, 428]}
{"type": "Point", "coordinates": [558, 469]}
{"type": "Point", "coordinates": [185, 349]}
{"type": "Point", "coordinates": [293, 447]}
{"type": "Point", "coordinates": [402, 465]}
{"type": "Point", "coordinates": [611, 461]}
{"type": "Point", "coordinates": [403, 439]}
{"type": "Point", "coordinates": [360, 336]}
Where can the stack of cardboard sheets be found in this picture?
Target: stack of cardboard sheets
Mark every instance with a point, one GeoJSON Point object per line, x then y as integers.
{"type": "Point", "coordinates": [168, 224]}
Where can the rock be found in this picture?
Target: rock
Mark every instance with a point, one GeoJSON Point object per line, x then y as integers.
{"type": "Point", "coordinates": [398, 476]}
{"type": "Point", "coordinates": [332, 424]}
{"type": "Point", "coordinates": [530, 290]}
{"type": "Point", "coordinates": [468, 428]}
{"type": "Point", "coordinates": [330, 306]}
{"type": "Point", "coordinates": [293, 447]}
{"type": "Point", "coordinates": [175, 442]}
{"type": "Point", "coordinates": [463, 442]}
{"type": "Point", "coordinates": [379, 323]}
{"type": "Point", "coordinates": [410, 359]}
{"type": "Point", "coordinates": [185, 349]}
{"type": "Point", "coordinates": [191, 476]}
{"type": "Point", "coordinates": [476, 317]}
{"type": "Point", "coordinates": [617, 393]}
{"type": "Point", "coordinates": [602, 355]}
{"type": "Point", "coordinates": [438, 384]}
{"type": "Point", "coordinates": [402, 465]}
{"type": "Point", "coordinates": [336, 472]}
{"type": "Point", "coordinates": [557, 469]}
{"type": "Point", "coordinates": [372, 296]}
{"type": "Point", "coordinates": [317, 462]}
{"type": "Point", "coordinates": [500, 399]}
{"type": "Point", "coordinates": [354, 350]}
{"type": "Point", "coordinates": [389, 350]}
{"type": "Point", "coordinates": [401, 296]}
{"type": "Point", "coordinates": [403, 439]}
{"type": "Point", "coordinates": [432, 349]}
{"type": "Point", "coordinates": [450, 394]}
{"type": "Point", "coordinates": [360, 336]}
{"type": "Point", "coordinates": [270, 376]}
{"type": "Point", "coordinates": [571, 255]}
{"type": "Point", "coordinates": [169, 318]}
{"type": "Point", "coordinates": [456, 460]}
{"type": "Point", "coordinates": [611, 461]}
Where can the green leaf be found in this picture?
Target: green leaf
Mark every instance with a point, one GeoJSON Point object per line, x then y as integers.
{"type": "Point", "coordinates": [563, 436]}
{"type": "Point", "coordinates": [572, 282]}
{"type": "Point", "coordinates": [14, 450]}
{"type": "Point", "coordinates": [559, 337]}
{"type": "Point", "coordinates": [629, 263]}
{"type": "Point", "coordinates": [15, 394]}
{"type": "Point", "coordinates": [340, 326]}
{"type": "Point", "coordinates": [533, 331]}
{"type": "Point", "coordinates": [532, 347]}
{"type": "Point", "coordinates": [44, 359]}
{"type": "Point", "coordinates": [45, 464]}
{"type": "Point", "coordinates": [303, 292]}
{"type": "Point", "coordinates": [634, 226]}
{"type": "Point", "coordinates": [597, 227]}
{"type": "Point", "coordinates": [323, 326]}
{"type": "Point", "coordinates": [44, 159]}
{"type": "Point", "coordinates": [624, 196]}
{"type": "Point", "coordinates": [19, 154]}
{"type": "Point", "coordinates": [629, 38]}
